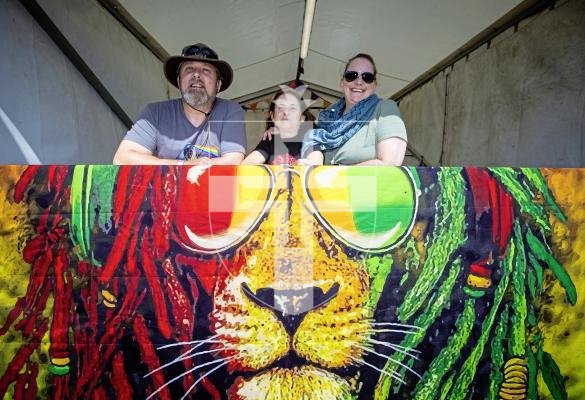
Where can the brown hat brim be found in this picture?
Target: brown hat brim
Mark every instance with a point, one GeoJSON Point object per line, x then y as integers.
{"type": "Point", "coordinates": [172, 64]}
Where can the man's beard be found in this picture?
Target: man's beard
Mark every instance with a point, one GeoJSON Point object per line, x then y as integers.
{"type": "Point", "coordinates": [196, 98]}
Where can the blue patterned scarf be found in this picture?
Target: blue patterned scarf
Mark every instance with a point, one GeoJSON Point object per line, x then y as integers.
{"type": "Point", "coordinates": [335, 128]}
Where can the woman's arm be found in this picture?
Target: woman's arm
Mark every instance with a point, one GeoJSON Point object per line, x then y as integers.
{"type": "Point", "coordinates": [254, 157]}
{"type": "Point", "coordinates": [390, 136]}
{"type": "Point", "coordinates": [389, 152]}
{"type": "Point", "coordinates": [313, 158]}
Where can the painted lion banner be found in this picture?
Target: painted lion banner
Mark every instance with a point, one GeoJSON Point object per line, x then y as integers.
{"type": "Point", "coordinates": [257, 282]}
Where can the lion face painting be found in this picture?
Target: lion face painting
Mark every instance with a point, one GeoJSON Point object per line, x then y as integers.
{"type": "Point", "coordinates": [284, 283]}
{"type": "Point", "coordinates": [310, 297]}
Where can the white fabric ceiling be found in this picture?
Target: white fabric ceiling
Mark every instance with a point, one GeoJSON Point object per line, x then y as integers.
{"type": "Point", "coordinates": [261, 38]}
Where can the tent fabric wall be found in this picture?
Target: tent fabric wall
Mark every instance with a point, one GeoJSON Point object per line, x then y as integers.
{"type": "Point", "coordinates": [255, 127]}
{"type": "Point", "coordinates": [423, 112]}
{"type": "Point", "coordinates": [59, 114]}
{"type": "Point", "coordinates": [131, 73]}
{"type": "Point", "coordinates": [518, 102]}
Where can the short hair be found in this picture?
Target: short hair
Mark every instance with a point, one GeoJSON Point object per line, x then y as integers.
{"type": "Point", "coordinates": [309, 117]}
{"type": "Point", "coordinates": [361, 55]}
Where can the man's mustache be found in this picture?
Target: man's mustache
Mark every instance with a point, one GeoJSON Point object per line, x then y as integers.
{"type": "Point", "coordinates": [196, 82]}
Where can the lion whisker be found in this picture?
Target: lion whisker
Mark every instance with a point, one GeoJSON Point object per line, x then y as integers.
{"type": "Point", "coordinates": [384, 356]}
{"type": "Point", "coordinates": [199, 342]}
{"type": "Point", "coordinates": [392, 331]}
{"type": "Point", "coordinates": [396, 324]}
{"type": "Point", "coordinates": [403, 347]}
{"type": "Point", "coordinates": [376, 322]}
{"type": "Point", "coordinates": [400, 349]}
{"type": "Point", "coordinates": [393, 375]}
{"type": "Point", "coordinates": [183, 356]}
{"type": "Point", "coordinates": [223, 361]}
{"type": "Point", "coordinates": [188, 351]}
{"type": "Point", "coordinates": [203, 377]}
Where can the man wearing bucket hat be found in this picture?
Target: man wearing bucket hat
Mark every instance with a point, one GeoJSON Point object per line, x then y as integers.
{"type": "Point", "coordinates": [197, 129]}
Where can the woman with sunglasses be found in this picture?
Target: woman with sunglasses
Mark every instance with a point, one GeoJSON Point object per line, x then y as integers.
{"type": "Point", "coordinates": [360, 129]}
{"type": "Point", "coordinates": [288, 121]}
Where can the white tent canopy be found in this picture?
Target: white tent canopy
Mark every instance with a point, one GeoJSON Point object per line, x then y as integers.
{"type": "Point", "coordinates": [261, 38]}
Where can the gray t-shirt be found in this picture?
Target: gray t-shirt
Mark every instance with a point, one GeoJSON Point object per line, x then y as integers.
{"type": "Point", "coordinates": [163, 129]}
{"type": "Point", "coordinates": [384, 123]}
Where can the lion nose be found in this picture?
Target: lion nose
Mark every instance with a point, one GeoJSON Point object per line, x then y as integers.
{"type": "Point", "coordinates": [291, 305]}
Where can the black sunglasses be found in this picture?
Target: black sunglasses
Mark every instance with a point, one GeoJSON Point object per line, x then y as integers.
{"type": "Point", "coordinates": [351, 76]}
{"type": "Point", "coordinates": [204, 52]}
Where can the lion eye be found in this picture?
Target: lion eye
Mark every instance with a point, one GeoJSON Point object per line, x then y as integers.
{"type": "Point", "coordinates": [367, 208]}
{"type": "Point", "coordinates": [218, 206]}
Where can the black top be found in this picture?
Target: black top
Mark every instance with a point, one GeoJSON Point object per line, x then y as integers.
{"type": "Point", "coordinates": [281, 151]}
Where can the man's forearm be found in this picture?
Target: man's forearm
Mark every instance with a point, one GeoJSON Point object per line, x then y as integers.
{"type": "Point", "coordinates": [234, 158]}
{"type": "Point", "coordinates": [137, 158]}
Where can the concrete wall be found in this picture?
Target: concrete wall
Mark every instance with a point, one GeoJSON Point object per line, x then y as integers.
{"type": "Point", "coordinates": [50, 103]}
{"type": "Point", "coordinates": [520, 102]}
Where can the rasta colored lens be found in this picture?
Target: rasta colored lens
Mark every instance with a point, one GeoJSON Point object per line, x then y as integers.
{"type": "Point", "coordinates": [218, 206]}
{"type": "Point", "coordinates": [351, 76]}
{"type": "Point", "coordinates": [367, 208]}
